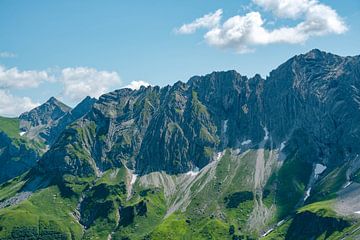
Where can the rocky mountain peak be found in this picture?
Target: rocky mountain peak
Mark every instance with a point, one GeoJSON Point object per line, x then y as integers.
{"type": "Point", "coordinates": [315, 53]}
{"type": "Point", "coordinates": [50, 111]}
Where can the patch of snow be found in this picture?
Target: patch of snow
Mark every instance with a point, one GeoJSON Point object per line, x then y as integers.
{"type": "Point", "coordinates": [267, 232]}
{"type": "Point", "coordinates": [357, 212]}
{"type": "Point", "coordinates": [225, 125]}
{"type": "Point", "coordinates": [307, 194]}
{"type": "Point", "coordinates": [280, 223]}
{"type": "Point", "coordinates": [282, 145]}
{"type": "Point", "coordinates": [266, 137]}
{"type": "Point", "coordinates": [219, 155]}
{"type": "Point", "coordinates": [22, 133]}
{"type": "Point", "coordinates": [246, 142]}
{"type": "Point", "coordinates": [347, 184]}
{"type": "Point", "coordinates": [133, 179]}
{"type": "Point", "coordinates": [193, 172]}
{"type": "Point", "coordinates": [319, 168]}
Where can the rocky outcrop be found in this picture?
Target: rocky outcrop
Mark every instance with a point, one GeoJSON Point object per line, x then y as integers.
{"type": "Point", "coordinates": [311, 102]}
{"type": "Point", "coordinates": [176, 128]}
{"type": "Point", "coordinates": [71, 116]}
{"type": "Point", "coordinates": [46, 122]}
{"type": "Point", "coordinates": [21, 151]}
{"type": "Point", "coordinates": [108, 136]}
{"type": "Point", "coordinates": [316, 94]}
{"type": "Point", "coordinates": [36, 123]}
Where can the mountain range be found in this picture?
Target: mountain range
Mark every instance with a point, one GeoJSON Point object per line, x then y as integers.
{"type": "Point", "coordinates": [222, 156]}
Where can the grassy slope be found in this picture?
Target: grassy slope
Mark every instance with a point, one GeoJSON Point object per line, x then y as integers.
{"type": "Point", "coordinates": [11, 187]}
{"type": "Point", "coordinates": [226, 202]}
{"type": "Point", "coordinates": [219, 211]}
{"type": "Point", "coordinates": [10, 126]}
{"type": "Point", "coordinates": [327, 187]}
{"type": "Point", "coordinates": [292, 180]}
{"type": "Point", "coordinates": [53, 207]}
{"type": "Point", "coordinates": [318, 220]}
{"type": "Point", "coordinates": [315, 221]}
{"type": "Point", "coordinates": [44, 214]}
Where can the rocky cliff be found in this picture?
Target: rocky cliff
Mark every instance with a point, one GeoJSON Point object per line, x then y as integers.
{"type": "Point", "coordinates": [179, 128]}
{"type": "Point", "coordinates": [222, 156]}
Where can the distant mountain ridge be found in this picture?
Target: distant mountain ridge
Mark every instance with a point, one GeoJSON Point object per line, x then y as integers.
{"type": "Point", "coordinates": [222, 156]}
{"type": "Point", "coordinates": [24, 139]}
{"type": "Point", "coordinates": [189, 119]}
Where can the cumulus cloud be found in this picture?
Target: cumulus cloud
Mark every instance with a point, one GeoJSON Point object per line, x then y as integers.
{"type": "Point", "coordinates": [14, 78]}
{"type": "Point", "coordinates": [7, 55]}
{"type": "Point", "coordinates": [137, 84]}
{"type": "Point", "coordinates": [76, 83]}
{"type": "Point", "coordinates": [286, 8]}
{"type": "Point", "coordinates": [80, 82]}
{"type": "Point", "coordinates": [11, 105]}
{"type": "Point", "coordinates": [210, 20]}
{"type": "Point", "coordinates": [243, 33]}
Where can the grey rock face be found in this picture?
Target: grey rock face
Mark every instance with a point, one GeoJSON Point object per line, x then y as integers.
{"type": "Point", "coordinates": [46, 122]}
{"type": "Point", "coordinates": [311, 101]}
{"type": "Point", "coordinates": [176, 128]}
{"type": "Point", "coordinates": [42, 125]}
{"type": "Point", "coordinates": [69, 117]}
{"type": "Point", "coordinates": [37, 122]}
{"type": "Point", "coordinates": [109, 135]}
{"type": "Point", "coordinates": [316, 93]}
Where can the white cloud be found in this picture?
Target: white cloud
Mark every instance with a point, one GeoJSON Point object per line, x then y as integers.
{"type": "Point", "coordinates": [11, 106]}
{"type": "Point", "coordinates": [286, 8]}
{"type": "Point", "coordinates": [77, 83]}
{"type": "Point", "coordinates": [243, 33]}
{"type": "Point", "coordinates": [7, 55]}
{"type": "Point", "coordinates": [13, 78]}
{"type": "Point", "coordinates": [210, 20]}
{"type": "Point", "coordinates": [137, 84]}
{"type": "Point", "coordinates": [83, 81]}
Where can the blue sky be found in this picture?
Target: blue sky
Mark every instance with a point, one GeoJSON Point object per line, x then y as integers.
{"type": "Point", "coordinates": [54, 47]}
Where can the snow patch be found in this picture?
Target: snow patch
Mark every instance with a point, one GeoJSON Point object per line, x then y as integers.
{"type": "Point", "coordinates": [267, 232]}
{"type": "Point", "coordinates": [193, 172]}
{"type": "Point", "coordinates": [219, 155]}
{"type": "Point", "coordinates": [225, 125]}
{"type": "Point", "coordinates": [347, 184]}
{"type": "Point", "coordinates": [280, 223]}
{"type": "Point", "coordinates": [319, 169]}
{"type": "Point", "coordinates": [307, 194]}
{"type": "Point", "coordinates": [357, 212]}
{"type": "Point", "coordinates": [22, 133]}
{"type": "Point", "coordinates": [133, 179]}
{"type": "Point", "coordinates": [246, 142]}
{"type": "Point", "coordinates": [282, 145]}
{"type": "Point", "coordinates": [266, 137]}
